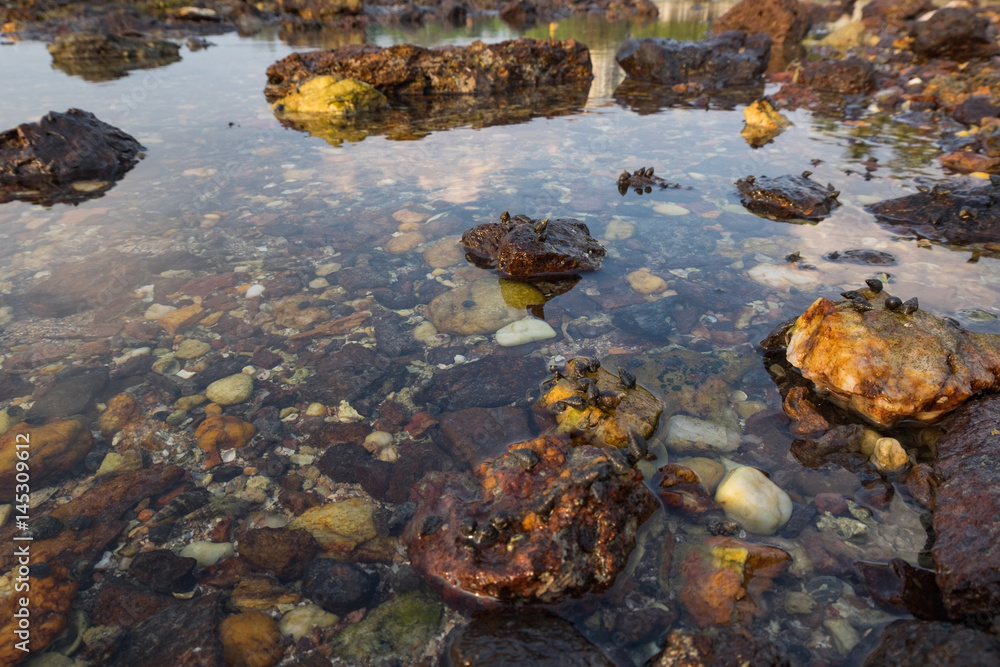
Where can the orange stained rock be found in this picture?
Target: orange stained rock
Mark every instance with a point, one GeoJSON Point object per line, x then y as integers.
{"type": "Point", "coordinates": [889, 366]}
{"type": "Point", "coordinates": [55, 448]}
{"type": "Point", "coordinates": [222, 432]}
{"type": "Point", "coordinates": [182, 317]}
{"type": "Point", "coordinates": [49, 603]}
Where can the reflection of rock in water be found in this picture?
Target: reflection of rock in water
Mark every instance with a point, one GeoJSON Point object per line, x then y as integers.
{"type": "Point", "coordinates": [646, 98]}
{"type": "Point", "coordinates": [97, 57]}
{"type": "Point", "coordinates": [415, 117]}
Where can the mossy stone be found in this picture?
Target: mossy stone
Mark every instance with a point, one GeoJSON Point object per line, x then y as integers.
{"type": "Point", "coordinates": [396, 630]}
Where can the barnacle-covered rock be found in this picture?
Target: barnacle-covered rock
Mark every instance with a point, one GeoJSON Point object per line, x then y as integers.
{"type": "Point", "coordinates": [598, 407]}
{"type": "Point", "coordinates": [520, 246]}
{"type": "Point", "coordinates": [890, 365]}
{"type": "Point", "coordinates": [787, 197]}
{"type": "Point", "coordinates": [542, 521]}
{"type": "Point", "coordinates": [642, 180]}
{"type": "Point", "coordinates": [952, 213]}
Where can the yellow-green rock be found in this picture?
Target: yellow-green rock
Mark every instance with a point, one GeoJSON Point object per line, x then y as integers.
{"type": "Point", "coordinates": [520, 295]}
{"type": "Point", "coordinates": [398, 630]}
{"type": "Point", "coordinates": [329, 95]}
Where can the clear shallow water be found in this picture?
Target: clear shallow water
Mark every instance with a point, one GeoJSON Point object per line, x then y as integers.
{"type": "Point", "coordinates": [219, 166]}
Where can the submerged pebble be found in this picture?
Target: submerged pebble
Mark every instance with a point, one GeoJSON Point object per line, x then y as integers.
{"type": "Point", "coordinates": [757, 503]}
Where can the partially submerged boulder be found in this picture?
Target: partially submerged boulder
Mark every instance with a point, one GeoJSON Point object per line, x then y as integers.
{"type": "Point", "coordinates": [542, 521]}
{"type": "Point", "coordinates": [99, 57]}
{"type": "Point", "coordinates": [65, 157]}
{"type": "Point", "coordinates": [728, 59]}
{"type": "Point", "coordinates": [957, 214]}
{"type": "Point", "coordinates": [787, 197]}
{"type": "Point", "coordinates": [404, 69]}
{"type": "Point", "coordinates": [522, 247]}
{"type": "Point", "coordinates": [889, 362]}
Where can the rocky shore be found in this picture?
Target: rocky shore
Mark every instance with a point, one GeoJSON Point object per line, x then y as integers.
{"type": "Point", "coordinates": [440, 435]}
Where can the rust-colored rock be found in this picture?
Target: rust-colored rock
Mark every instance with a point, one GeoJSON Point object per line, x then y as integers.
{"type": "Point", "coordinates": [281, 551]}
{"type": "Point", "coordinates": [521, 247]}
{"type": "Point", "coordinates": [848, 76]}
{"type": "Point", "coordinates": [718, 647]}
{"type": "Point", "coordinates": [542, 521]}
{"type": "Point", "coordinates": [39, 162]}
{"type": "Point", "coordinates": [807, 422]}
{"type": "Point", "coordinates": [784, 21]}
{"type": "Point", "coordinates": [183, 634]}
{"type": "Point", "coordinates": [251, 639]}
{"type": "Point", "coordinates": [478, 69]}
{"type": "Point", "coordinates": [724, 576]}
{"type": "Point", "coordinates": [966, 162]}
{"type": "Point", "coordinates": [122, 409]}
{"type": "Point", "coordinates": [967, 506]}
{"type": "Point", "coordinates": [49, 601]}
{"type": "Point", "coordinates": [890, 365]}
{"type": "Point", "coordinates": [787, 197]}
{"type": "Point", "coordinates": [902, 588]}
{"type": "Point", "coordinates": [912, 643]}
{"type": "Point", "coordinates": [222, 432]}
{"type": "Point", "coordinates": [682, 490]}
{"type": "Point", "coordinates": [50, 451]}
{"type": "Point", "coordinates": [127, 605]}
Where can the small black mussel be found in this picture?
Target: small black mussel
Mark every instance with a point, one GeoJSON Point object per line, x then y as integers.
{"type": "Point", "coordinates": [861, 304]}
{"type": "Point", "coordinates": [526, 458]}
{"type": "Point", "coordinates": [874, 284]}
{"type": "Point", "coordinates": [430, 525]}
{"type": "Point", "coordinates": [627, 379]}
{"type": "Point", "coordinates": [850, 295]}
{"type": "Point", "coordinates": [893, 303]}
{"type": "Point", "coordinates": [910, 306]}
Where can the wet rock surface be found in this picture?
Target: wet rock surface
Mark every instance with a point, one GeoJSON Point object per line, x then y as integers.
{"type": "Point", "coordinates": [412, 70]}
{"type": "Point", "coordinates": [966, 505]}
{"type": "Point", "coordinates": [542, 521]}
{"type": "Point", "coordinates": [521, 247]}
{"type": "Point", "coordinates": [40, 162]}
{"type": "Point", "coordinates": [713, 649]}
{"type": "Point", "coordinates": [182, 634]}
{"type": "Point", "coordinates": [729, 59]}
{"type": "Point", "coordinates": [787, 197]}
{"type": "Point", "coordinates": [910, 643]}
{"type": "Point", "coordinates": [953, 32]}
{"type": "Point", "coordinates": [890, 364]}
{"type": "Point", "coordinates": [950, 213]}
{"type": "Point", "coordinates": [784, 21]}
{"type": "Point", "coordinates": [521, 638]}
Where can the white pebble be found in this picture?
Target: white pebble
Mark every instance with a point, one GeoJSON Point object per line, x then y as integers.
{"type": "Point", "coordinates": [255, 290]}
{"type": "Point", "coordinates": [688, 434]}
{"type": "Point", "coordinates": [524, 331]}
{"type": "Point", "coordinates": [207, 553]}
{"type": "Point", "coordinates": [748, 497]}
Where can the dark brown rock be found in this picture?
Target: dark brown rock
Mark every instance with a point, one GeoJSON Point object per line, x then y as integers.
{"type": "Point", "coordinates": [160, 568]}
{"type": "Point", "coordinates": [727, 59]}
{"type": "Point", "coordinates": [521, 247]}
{"type": "Point", "coordinates": [490, 382]}
{"type": "Point", "coordinates": [967, 505]}
{"type": "Point", "coordinates": [972, 110]}
{"type": "Point", "coordinates": [127, 605]}
{"type": "Point", "coordinates": [828, 554]}
{"type": "Point", "coordinates": [681, 490]}
{"type": "Point", "coordinates": [523, 638]}
{"type": "Point", "coordinates": [183, 634]}
{"type": "Point", "coordinates": [807, 422]}
{"type": "Point", "coordinates": [909, 643]}
{"type": "Point", "coordinates": [40, 161]}
{"type": "Point", "coordinates": [900, 587]}
{"type": "Point", "coordinates": [542, 521]}
{"type": "Point", "coordinates": [404, 69]}
{"type": "Point", "coordinates": [283, 552]}
{"type": "Point", "coordinates": [355, 374]}
{"type": "Point", "coordinates": [69, 394]}
{"type": "Point", "coordinates": [864, 256]}
{"type": "Point", "coordinates": [896, 13]}
{"type": "Point", "coordinates": [784, 21]}
{"type": "Point", "coordinates": [848, 76]}
{"type": "Point", "coordinates": [474, 434]}
{"type": "Point", "coordinates": [718, 648]}
{"type": "Point", "coordinates": [320, 10]}
{"type": "Point", "coordinates": [957, 33]}
{"type": "Point", "coordinates": [78, 286]}
{"type": "Point", "coordinates": [787, 197]}
{"type": "Point", "coordinates": [922, 484]}
{"type": "Point", "coordinates": [937, 213]}
{"type": "Point", "coordinates": [353, 464]}
{"type": "Point", "coordinates": [338, 586]}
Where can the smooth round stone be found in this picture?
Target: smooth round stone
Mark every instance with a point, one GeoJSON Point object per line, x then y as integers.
{"type": "Point", "coordinates": [476, 308]}
{"type": "Point", "coordinates": [618, 230]}
{"type": "Point", "coordinates": [748, 497]}
{"type": "Point", "coordinates": [670, 208]}
{"type": "Point", "coordinates": [230, 390]}
{"type": "Point", "coordinates": [405, 242]}
{"type": "Point", "coordinates": [379, 439]}
{"type": "Point", "coordinates": [423, 331]}
{"type": "Point", "coordinates": [157, 311]}
{"type": "Point", "coordinates": [208, 553]}
{"type": "Point", "coordinates": [254, 290]}
{"type": "Point", "coordinates": [338, 587]}
{"type": "Point", "coordinates": [889, 456]}
{"type": "Point", "coordinates": [689, 434]}
{"type": "Point", "coordinates": [301, 621]}
{"type": "Point", "coordinates": [782, 276]}
{"type": "Point", "coordinates": [524, 331]}
{"type": "Point", "coordinates": [166, 365]}
{"type": "Point", "coordinates": [644, 282]}
{"type": "Point", "coordinates": [191, 349]}
{"type": "Point", "coordinates": [444, 253]}
{"type": "Point", "coordinates": [319, 283]}
{"type": "Point", "coordinates": [323, 270]}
